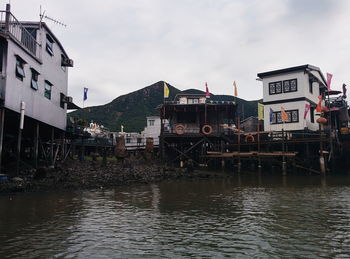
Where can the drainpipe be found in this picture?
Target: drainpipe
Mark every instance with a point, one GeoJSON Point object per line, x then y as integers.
{"type": "Point", "coordinates": [19, 139]}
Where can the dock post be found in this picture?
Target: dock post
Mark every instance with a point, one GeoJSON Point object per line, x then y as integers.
{"type": "Point", "coordinates": [51, 144]}
{"type": "Point", "coordinates": [36, 145]}
{"type": "Point", "coordinates": [322, 160]}
{"type": "Point", "coordinates": [2, 117]}
{"type": "Point", "coordinates": [284, 164]}
{"type": "Point", "coordinates": [239, 145]}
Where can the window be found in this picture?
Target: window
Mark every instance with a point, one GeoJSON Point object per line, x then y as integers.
{"type": "Point", "coordinates": [310, 86]}
{"type": "Point", "coordinates": [20, 68]}
{"type": "Point", "coordinates": [288, 86]}
{"type": "Point", "coordinates": [48, 88]}
{"type": "Point", "coordinates": [34, 81]}
{"type": "Point", "coordinates": [312, 114]}
{"type": "Point", "coordinates": [293, 116]}
{"type": "Point", "coordinates": [186, 117]}
{"type": "Point", "coordinates": [1, 55]}
{"type": "Point", "coordinates": [62, 100]}
{"type": "Point", "coordinates": [128, 140]}
{"type": "Point", "coordinates": [151, 122]}
{"type": "Point", "coordinates": [49, 44]}
{"type": "Point", "coordinates": [192, 100]}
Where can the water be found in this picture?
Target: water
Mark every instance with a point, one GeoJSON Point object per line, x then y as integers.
{"type": "Point", "coordinates": [243, 217]}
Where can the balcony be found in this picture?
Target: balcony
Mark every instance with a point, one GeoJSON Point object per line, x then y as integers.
{"type": "Point", "coordinates": [14, 29]}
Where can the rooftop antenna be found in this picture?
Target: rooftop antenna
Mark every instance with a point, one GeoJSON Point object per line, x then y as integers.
{"type": "Point", "coordinates": [43, 15]}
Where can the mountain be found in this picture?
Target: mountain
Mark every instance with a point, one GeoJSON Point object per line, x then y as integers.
{"type": "Point", "coordinates": [131, 110]}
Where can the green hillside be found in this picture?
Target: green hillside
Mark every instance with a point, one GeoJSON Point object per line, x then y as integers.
{"type": "Point", "coordinates": [131, 110]}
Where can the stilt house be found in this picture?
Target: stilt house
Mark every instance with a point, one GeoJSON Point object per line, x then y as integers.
{"type": "Point", "coordinates": [194, 123]}
{"type": "Point", "coordinates": [291, 89]}
{"type": "Point", "coordinates": [33, 82]}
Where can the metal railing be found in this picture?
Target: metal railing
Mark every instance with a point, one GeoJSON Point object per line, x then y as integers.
{"type": "Point", "coordinates": [11, 26]}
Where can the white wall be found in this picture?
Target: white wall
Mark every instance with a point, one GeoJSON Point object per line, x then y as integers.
{"type": "Point", "coordinates": [302, 91]}
{"type": "Point", "coordinates": [153, 131]}
{"type": "Point", "coordinates": [300, 105]}
{"type": "Point", "coordinates": [37, 105]}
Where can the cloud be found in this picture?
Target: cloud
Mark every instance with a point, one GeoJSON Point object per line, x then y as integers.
{"type": "Point", "coordinates": [121, 46]}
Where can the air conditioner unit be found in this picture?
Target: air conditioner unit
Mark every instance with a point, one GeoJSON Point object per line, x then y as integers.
{"type": "Point", "coordinates": [67, 62]}
{"type": "Point", "coordinates": [67, 99]}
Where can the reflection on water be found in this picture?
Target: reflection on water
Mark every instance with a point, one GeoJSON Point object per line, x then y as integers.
{"type": "Point", "coordinates": [244, 216]}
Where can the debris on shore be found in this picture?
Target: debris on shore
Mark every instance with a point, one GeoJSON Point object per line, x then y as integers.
{"type": "Point", "coordinates": [77, 175]}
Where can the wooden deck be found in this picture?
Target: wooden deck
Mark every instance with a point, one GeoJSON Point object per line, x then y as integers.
{"type": "Point", "coordinates": [250, 154]}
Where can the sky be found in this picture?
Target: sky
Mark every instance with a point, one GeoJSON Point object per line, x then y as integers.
{"type": "Point", "coordinates": [120, 46]}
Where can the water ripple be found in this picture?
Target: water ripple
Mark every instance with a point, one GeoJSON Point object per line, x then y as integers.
{"type": "Point", "coordinates": [215, 218]}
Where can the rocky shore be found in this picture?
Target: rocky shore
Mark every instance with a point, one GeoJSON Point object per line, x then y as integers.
{"type": "Point", "coordinates": [74, 174]}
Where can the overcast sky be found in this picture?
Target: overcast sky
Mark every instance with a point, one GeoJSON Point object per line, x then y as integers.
{"type": "Point", "coordinates": [119, 46]}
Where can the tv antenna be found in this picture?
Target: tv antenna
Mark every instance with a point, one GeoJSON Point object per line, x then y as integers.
{"type": "Point", "coordinates": [43, 15]}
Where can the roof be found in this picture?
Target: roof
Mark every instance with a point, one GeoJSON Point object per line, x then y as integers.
{"type": "Point", "coordinates": [292, 69]}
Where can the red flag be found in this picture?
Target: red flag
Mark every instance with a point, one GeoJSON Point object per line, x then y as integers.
{"type": "Point", "coordinates": [329, 79]}
{"type": "Point", "coordinates": [207, 94]}
{"type": "Point", "coordinates": [318, 107]}
{"type": "Point", "coordinates": [307, 108]}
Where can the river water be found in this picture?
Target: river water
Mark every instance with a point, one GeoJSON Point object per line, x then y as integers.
{"type": "Point", "coordinates": [246, 216]}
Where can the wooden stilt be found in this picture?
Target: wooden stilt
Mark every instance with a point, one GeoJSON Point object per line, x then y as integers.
{"type": "Point", "coordinates": [51, 145]}
{"type": "Point", "coordinates": [36, 144]}
{"type": "Point", "coordinates": [18, 156]}
{"type": "Point", "coordinates": [2, 120]}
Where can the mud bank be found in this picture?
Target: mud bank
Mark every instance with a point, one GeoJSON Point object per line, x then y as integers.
{"type": "Point", "coordinates": [80, 175]}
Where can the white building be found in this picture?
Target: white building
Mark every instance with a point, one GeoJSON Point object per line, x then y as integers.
{"type": "Point", "coordinates": [33, 82]}
{"type": "Point", "coordinates": [291, 89]}
{"type": "Point", "coordinates": [33, 70]}
{"type": "Point", "coordinates": [152, 130]}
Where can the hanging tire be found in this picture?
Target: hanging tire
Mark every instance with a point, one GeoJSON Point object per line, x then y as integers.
{"type": "Point", "coordinates": [179, 129]}
{"type": "Point", "coordinates": [249, 138]}
{"type": "Point", "coordinates": [207, 129]}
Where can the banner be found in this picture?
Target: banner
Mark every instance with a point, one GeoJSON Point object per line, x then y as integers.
{"type": "Point", "coordinates": [329, 79]}
{"type": "Point", "coordinates": [85, 93]}
{"type": "Point", "coordinates": [207, 94]}
{"type": "Point", "coordinates": [260, 111]}
{"type": "Point", "coordinates": [284, 115]}
{"type": "Point", "coordinates": [318, 107]}
{"type": "Point", "coordinates": [271, 116]}
{"type": "Point", "coordinates": [166, 90]}
{"type": "Point", "coordinates": [235, 92]}
{"type": "Point", "coordinates": [307, 108]}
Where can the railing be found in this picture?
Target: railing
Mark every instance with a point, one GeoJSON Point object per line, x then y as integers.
{"type": "Point", "coordinates": [11, 26]}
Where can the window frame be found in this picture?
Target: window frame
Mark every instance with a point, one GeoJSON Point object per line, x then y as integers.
{"type": "Point", "coordinates": [62, 100]}
{"type": "Point", "coordinates": [49, 45]}
{"type": "Point", "coordinates": [312, 114]}
{"type": "Point", "coordinates": [277, 117]}
{"type": "Point", "coordinates": [19, 71]}
{"type": "Point", "coordinates": [151, 122]}
{"type": "Point", "coordinates": [274, 88]}
{"type": "Point", "coordinates": [192, 100]}
{"type": "Point", "coordinates": [47, 92]}
{"type": "Point", "coordinates": [34, 80]}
